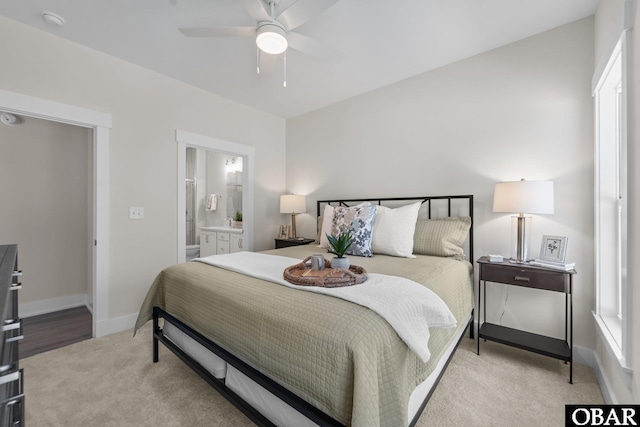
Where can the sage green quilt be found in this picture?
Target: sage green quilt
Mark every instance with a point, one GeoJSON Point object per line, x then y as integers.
{"type": "Point", "coordinates": [339, 356]}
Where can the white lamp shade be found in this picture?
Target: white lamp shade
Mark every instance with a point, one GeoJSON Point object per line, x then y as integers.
{"type": "Point", "coordinates": [533, 197]}
{"type": "Point", "coordinates": [291, 203]}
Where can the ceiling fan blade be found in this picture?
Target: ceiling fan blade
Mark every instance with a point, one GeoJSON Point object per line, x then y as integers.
{"type": "Point", "coordinates": [219, 32]}
{"type": "Point", "coordinates": [302, 11]}
{"type": "Point", "coordinates": [257, 9]}
{"type": "Point", "coordinates": [311, 47]}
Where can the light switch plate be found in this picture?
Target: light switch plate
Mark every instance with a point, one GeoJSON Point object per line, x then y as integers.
{"type": "Point", "coordinates": [136, 213]}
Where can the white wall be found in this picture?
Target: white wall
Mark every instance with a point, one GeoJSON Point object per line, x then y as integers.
{"type": "Point", "coordinates": [519, 111]}
{"type": "Point", "coordinates": [44, 176]}
{"type": "Point", "coordinates": [146, 108]}
{"type": "Point", "coordinates": [608, 27]}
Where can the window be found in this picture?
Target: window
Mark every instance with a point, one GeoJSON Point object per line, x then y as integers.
{"type": "Point", "coordinates": [612, 312]}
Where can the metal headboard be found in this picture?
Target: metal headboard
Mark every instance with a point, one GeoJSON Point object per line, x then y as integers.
{"type": "Point", "coordinates": [431, 202]}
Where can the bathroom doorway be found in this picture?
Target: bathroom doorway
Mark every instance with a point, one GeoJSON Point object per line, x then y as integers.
{"type": "Point", "coordinates": [215, 195]}
{"type": "Point", "coordinates": [213, 199]}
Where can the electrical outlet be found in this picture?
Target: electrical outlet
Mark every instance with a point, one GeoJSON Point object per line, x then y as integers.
{"type": "Point", "coordinates": [136, 213]}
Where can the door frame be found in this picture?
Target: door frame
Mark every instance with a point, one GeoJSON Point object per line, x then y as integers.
{"type": "Point", "coordinates": [186, 139]}
{"type": "Point", "coordinates": [40, 108]}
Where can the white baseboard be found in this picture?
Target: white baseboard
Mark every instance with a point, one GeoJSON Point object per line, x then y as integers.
{"type": "Point", "coordinates": [111, 326]}
{"type": "Point", "coordinates": [588, 357]}
{"type": "Point", "coordinates": [104, 327]}
{"type": "Point", "coordinates": [50, 305]}
{"type": "Point", "coordinates": [584, 356]}
{"type": "Point", "coordinates": [605, 388]}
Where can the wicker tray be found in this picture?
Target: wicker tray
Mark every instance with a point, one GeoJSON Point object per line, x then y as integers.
{"type": "Point", "coordinates": [302, 274]}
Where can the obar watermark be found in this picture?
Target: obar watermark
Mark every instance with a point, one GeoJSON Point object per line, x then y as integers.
{"type": "Point", "coordinates": [601, 415]}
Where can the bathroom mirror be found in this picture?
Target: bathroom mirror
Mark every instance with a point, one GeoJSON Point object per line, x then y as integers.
{"type": "Point", "coordinates": [233, 167]}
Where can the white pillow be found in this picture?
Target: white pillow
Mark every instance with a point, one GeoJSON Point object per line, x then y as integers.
{"type": "Point", "coordinates": [393, 230]}
{"type": "Point", "coordinates": [327, 224]}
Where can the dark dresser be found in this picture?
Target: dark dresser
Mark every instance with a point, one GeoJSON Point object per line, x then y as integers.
{"type": "Point", "coordinates": [11, 376]}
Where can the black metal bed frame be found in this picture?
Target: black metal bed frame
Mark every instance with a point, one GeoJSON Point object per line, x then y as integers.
{"type": "Point", "coordinates": [424, 199]}
{"type": "Point", "coordinates": [308, 410]}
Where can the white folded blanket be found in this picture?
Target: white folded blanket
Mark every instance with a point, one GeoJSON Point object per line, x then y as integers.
{"type": "Point", "coordinates": [409, 307]}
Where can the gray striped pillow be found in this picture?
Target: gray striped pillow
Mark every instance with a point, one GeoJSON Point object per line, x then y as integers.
{"type": "Point", "coordinates": [441, 236]}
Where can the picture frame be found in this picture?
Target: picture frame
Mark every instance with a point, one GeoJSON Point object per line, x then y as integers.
{"type": "Point", "coordinates": [553, 248]}
{"type": "Point", "coordinates": [284, 232]}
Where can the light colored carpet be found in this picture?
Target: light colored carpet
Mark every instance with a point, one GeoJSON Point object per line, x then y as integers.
{"type": "Point", "coordinates": [112, 381]}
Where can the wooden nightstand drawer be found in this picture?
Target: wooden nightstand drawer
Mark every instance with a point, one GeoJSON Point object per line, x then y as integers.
{"type": "Point", "coordinates": [528, 277]}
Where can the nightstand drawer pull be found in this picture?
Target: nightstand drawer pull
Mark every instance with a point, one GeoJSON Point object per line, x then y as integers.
{"type": "Point", "coordinates": [14, 339]}
{"type": "Point", "coordinates": [521, 279]}
{"type": "Point", "coordinates": [11, 326]}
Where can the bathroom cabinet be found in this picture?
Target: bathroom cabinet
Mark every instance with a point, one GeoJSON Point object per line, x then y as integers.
{"type": "Point", "coordinates": [236, 243]}
{"type": "Point", "coordinates": [208, 243]}
{"type": "Point", "coordinates": [220, 240]}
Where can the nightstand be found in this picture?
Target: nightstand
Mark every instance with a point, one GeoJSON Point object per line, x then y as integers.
{"type": "Point", "coordinates": [528, 276]}
{"type": "Point", "coordinates": [285, 243]}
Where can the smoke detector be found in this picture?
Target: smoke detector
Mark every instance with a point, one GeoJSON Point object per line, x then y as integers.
{"type": "Point", "coordinates": [9, 119]}
{"type": "Point", "coordinates": [52, 19]}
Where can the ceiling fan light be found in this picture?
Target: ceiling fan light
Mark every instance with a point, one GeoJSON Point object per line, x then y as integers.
{"type": "Point", "coordinates": [271, 38]}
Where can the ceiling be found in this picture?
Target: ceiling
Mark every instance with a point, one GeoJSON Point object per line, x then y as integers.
{"type": "Point", "coordinates": [380, 42]}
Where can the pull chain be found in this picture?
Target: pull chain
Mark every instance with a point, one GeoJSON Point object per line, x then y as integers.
{"type": "Point", "coordinates": [285, 69]}
{"type": "Point", "coordinates": [257, 59]}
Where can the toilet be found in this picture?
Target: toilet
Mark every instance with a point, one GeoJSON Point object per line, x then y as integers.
{"type": "Point", "coordinates": [193, 251]}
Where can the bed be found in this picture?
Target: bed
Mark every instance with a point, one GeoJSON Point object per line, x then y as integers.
{"type": "Point", "coordinates": [286, 356]}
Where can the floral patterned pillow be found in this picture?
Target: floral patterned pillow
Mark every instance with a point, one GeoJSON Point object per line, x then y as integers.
{"type": "Point", "coordinates": [359, 221]}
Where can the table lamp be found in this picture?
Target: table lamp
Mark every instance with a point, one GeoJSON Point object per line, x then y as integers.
{"type": "Point", "coordinates": [293, 204]}
{"type": "Point", "coordinates": [531, 197]}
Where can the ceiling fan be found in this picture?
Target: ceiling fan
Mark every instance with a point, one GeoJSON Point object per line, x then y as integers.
{"type": "Point", "coordinates": [276, 20]}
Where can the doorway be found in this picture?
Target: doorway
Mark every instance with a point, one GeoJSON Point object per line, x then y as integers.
{"type": "Point", "coordinates": [99, 123]}
{"type": "Point", "coordinates": [45, 166]}
{"type": "Point", "coordinates": [213, 196]}
{"type": "Point", "coordinates": [224, 156]}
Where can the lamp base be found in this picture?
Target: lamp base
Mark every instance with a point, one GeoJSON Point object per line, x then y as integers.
{"type": "Point", "coordinates": [293, 235]}
{"type": "Point", "coordinates": [520, 232]}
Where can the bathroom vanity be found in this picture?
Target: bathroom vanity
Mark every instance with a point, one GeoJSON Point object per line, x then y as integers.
{"type": "Point", "coordinates": [220, 240]}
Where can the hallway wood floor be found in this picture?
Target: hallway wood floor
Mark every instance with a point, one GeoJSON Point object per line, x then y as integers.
{"type": "Point", "coordinates": [54, 330]}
